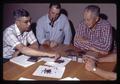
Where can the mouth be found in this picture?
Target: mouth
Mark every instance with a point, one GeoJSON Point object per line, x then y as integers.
{"type": "Point", "coordinates": [28, 28]}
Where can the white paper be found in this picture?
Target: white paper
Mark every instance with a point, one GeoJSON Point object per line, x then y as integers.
{"type": "Point", "coordinates": [80, 60]}
{"type": "Point", "coordinates": [22, 61]}
{"type": "Point", "coordinates": [66, 61]}
{"type": "Point", "coordinates": [71, 79]}
{"type": "Point", "coordinates": [28, 79]}
{"type": "Point", "coordinates": [73, 58]}
{"type": "Point", "coordinates": [56, 72]}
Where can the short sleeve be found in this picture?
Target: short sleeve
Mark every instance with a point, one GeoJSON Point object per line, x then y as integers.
{"type": "Point", "coordinates": [31, 37]}
{"type": "Point", "coordinates": [10, 39]}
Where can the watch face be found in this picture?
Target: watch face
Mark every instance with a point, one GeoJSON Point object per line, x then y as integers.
{"type": "Point", "coordinates": [94, 69]}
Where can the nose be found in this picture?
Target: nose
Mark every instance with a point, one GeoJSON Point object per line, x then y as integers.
{"type": "Point", "coordinates": [55, 15]}
{"type": "Point", "coordinates": [29, 23]}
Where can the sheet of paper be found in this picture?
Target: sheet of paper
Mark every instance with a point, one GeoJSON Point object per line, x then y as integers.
{"type": "Point", "coordinates": [73, 58]}
{"type": "Point", "coordinates": [49, 71]}
{"type": "Point", "coordinates": [80, 60]}
{"type": "Point", "coordinates": [71, 79]}
{"type": "Point", "coordinates": [62, 62]}
{"type": "Point", "coordinates": [26, 79]}
{"type": "Point", "coordinates": [22, 61]}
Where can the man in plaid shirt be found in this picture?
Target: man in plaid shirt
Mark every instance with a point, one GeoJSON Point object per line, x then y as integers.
{"type": "Point", "coordinates": [17, 37]}
{"type": "Point", "coordinates": [93, 33]}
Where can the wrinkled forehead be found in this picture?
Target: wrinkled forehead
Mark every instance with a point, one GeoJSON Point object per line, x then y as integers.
{"type": "Point", "coordinates": [24, 18]}
{"type": "Point", "coordinates": [88, 13]}
{"type": "Point", "coordinates": [55, 9]}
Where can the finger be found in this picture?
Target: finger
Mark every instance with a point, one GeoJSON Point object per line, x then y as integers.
{"type": "Point", "coordinates": [57, 57]}
{"type": "Point", "coordinates": [85, 59]}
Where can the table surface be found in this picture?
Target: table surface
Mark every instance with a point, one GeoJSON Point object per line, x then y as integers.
{"type": "Point", "coordinates": [13, 71]}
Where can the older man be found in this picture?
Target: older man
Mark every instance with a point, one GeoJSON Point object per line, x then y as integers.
{"type": "Point", "coordinates": [93, 33]}
{"type": "Point", "coordinates": [17, 37]}
{"type": "Point", "coordinates": [53, 28]}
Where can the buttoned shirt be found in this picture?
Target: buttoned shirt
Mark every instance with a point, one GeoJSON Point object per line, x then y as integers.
{"type": "Point", "coordinates": [60, 32]}
{"type": "Point", "coordinates": [100, 37]}
{"type": "Point", "coordinates": [12, 37]}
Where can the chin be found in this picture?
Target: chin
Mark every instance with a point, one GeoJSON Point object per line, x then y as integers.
{"type": "Point", "coordinates": [90, 26]}
{"type": "Point", "coordinates": [28, 29]}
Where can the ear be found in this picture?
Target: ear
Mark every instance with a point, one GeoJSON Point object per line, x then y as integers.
{"type": "Point", "coordinates": [17, 22]}
{"type": "Point", "coordinates": [97, 18]}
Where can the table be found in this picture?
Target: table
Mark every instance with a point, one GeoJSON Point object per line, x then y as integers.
{"type": "Point", "coordinates": [12, 71]}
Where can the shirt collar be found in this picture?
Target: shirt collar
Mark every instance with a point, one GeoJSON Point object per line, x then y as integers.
{"type": "Point", "coordinates": [48, 20]}
{"type": "Point", "coordinates": [17, 30]}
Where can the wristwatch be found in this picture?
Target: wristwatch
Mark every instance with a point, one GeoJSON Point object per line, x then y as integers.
{"type": "Point", "coordinates": [94, 69]}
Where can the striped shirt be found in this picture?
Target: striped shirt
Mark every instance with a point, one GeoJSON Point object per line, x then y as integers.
{"type": "Point", "coordinates": [60, 33]}
{"type": "Point", "coordinates": [12, 37]}
{"type": "Point", "coordinates": [100, 38]}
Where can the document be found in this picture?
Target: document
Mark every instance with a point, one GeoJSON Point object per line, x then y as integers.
{"type": "Point", "coordinates": [22, 61]}
{"type": "Point", "coordinates": [49, 71]}
{"type": "Point", "coordinates": [26, 79]}
{"type": "Point", "coordinates": [61, 62]}
{"type": "Point", "coordinates": [71, 79]}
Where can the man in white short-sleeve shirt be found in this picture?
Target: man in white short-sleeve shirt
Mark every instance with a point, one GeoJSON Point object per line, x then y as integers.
{"type": "Point", "coordinates": [17, 37]}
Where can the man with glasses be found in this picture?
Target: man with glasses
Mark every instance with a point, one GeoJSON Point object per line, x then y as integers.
{"type": "Point", "coordinates": [18, 36]}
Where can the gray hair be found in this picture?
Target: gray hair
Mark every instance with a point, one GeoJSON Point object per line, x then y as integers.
{"type": "Point", "coordinates": [20, 13]}
{"type": "Point", "coordinates": [94, 9]}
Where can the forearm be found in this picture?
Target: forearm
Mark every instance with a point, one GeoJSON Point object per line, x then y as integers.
{"type": "Point", "coordinates": [99, 51]}
{"type": "Point", "coordinates": [106, 74]}
{"type": "Point", "coordinates": [34, 45]}
{"type": "Point", "coordinates": [109, 58]}
{"type": "Point", "coordinates": [33, 52]}
{"type": "Point", "coordinates": [83, 42]}
{"type": "Point", "coordinates": [78, 43]}
{"type": "Point", "coordinates": [101, 47]}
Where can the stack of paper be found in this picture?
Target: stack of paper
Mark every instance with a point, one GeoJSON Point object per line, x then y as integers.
{"type": "Point", "coordinates": [22, 61]}
{"type": "Point", "coordinates": [28, 79]}
{"type": "Point", "coordinates": [49, 71]}
{"type": "Point", "coordinates": [71, 79]}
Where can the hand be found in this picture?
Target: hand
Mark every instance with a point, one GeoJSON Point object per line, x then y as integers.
{"type": "Point", "coordinates": [15, 54]}
{"type": "Point", "coordinates": [54, 54]}
{"type": "Point", "coordinates": [103, 53]}
{"type": "Point", "coordinates": [58, 56]}
{"type": "Point", "coordinates": [83, 39]}
{"type": "Point", "coordinates": [46, 43]}
{"type": "Point", "coordinates": [53, 44]}
{"type": "Point", "coordinates": [90, 64]}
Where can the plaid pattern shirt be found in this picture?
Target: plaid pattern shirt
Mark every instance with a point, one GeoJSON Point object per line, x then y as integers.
{"type": "Point", "coordinates": [100, 38]}
{"type": "Point", "coordinates": [12, 37]}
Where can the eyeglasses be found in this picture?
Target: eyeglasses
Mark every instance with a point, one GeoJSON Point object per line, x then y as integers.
{"type": "Point", "coordinates": [25, 21]}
